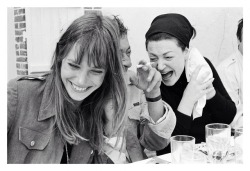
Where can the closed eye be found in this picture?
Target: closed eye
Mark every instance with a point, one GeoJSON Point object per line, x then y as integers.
{"type": "Point", "coordinates": [153, 59]}
{"type": "Point", "coordinates": [74, 66]}
{"type": "Point", "coordinates": [168, 57]}
{"type": "Point", "coordinates": [96, 71]}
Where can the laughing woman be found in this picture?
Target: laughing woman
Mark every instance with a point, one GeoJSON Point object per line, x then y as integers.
{"type": "Point", "coordinates": [191, 85]}
{"type": "Point", "coordinates": [60, 117]}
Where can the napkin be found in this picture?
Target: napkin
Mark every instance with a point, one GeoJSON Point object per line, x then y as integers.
{"type": "Point", "coordinates": [195, 59]}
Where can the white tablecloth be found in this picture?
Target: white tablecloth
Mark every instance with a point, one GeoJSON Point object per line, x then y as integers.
{"type": "Point", "coordinates": [163, 159]}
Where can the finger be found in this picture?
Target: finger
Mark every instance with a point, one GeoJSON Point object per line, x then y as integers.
{"type": "Point", "coordinates": [142, 62]}
{"type": "Point", "coordinates": [208, 84]}
{"type": "Point", "coordinates": [145, 67]}
{"type": "Point", "coordinates": [210, 89]}
{"type": "Point", "coordinates": [203, 77]}
{"type": "Point", "coordinates": [196, 72]}
{"type": "Point", "coordinates": [142, 69]}
{"type": "Point", "coordinates": [134, 80]}
{"type": "Point", "coordinates": [156, 80]}
{"type": "Point", "coordinates": [153, 64]}
{"type": "Point", "coordinates": [151, 74]}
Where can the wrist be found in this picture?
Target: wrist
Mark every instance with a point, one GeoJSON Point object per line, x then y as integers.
{"type": "Point", "coordinates": [185, 107]}
{"type": "Point", "coordinates": [155, 99]}
{"type": "Point", "coordinates": [153, 93]}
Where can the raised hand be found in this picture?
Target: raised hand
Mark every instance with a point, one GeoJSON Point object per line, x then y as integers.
{"type": "Point", "coordinates": [147, 79]}
{"type": "Point", "coordinates": [195, 89]}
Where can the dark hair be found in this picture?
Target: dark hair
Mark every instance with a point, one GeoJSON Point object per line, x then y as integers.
{"type": "Point", "coordinates": [97, 37]}
{"type": "Point", "coordinates": [165, 36]}
{"type": "Point", "coordinates": [122, 29]}
{"type": "Point", "coordinates": [239, 30]}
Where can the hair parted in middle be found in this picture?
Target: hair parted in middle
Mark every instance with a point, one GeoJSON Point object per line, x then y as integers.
{"type": "Point", "coordinates": [96, 37]}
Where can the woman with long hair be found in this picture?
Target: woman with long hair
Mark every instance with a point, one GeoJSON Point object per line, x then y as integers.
{"type": "Point", "coordinates": [60, 116]}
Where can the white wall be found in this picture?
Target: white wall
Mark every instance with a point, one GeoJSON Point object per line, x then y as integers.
{"type": "Point", "coordinates": [216, 29]}
{"type": "Point", "coordinates": [44, 28]}
{"type": "Point", "coordinates": [11, 52]}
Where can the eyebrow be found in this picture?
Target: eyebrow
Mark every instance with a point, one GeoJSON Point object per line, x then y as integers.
{"type": "Point", "coordinates": [162, 54]}
{"type": "Point", "coordinates": [73, 61]}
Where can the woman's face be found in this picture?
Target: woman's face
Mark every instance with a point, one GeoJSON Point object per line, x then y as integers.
{"type": "Point", "coordinates": [80, 80]}
{"type": "Point", "coordinates": [168, 58]}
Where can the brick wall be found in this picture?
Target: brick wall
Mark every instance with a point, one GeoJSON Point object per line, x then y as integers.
{"type": "Point", "coordinates": [20, 41]}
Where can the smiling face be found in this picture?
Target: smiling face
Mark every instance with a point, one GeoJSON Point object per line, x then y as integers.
{"type": "Point", "coordinates": [80, 80]}
{"type": "Point", "coordinates": [168, 58]}
{"type": "Point", "coordinates": [126, 51]}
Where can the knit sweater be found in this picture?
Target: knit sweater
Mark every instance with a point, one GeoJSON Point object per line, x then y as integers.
{"type": "Point", "coordinates": [219, 109]}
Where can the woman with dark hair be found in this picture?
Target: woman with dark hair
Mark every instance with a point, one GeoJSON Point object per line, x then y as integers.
{"type": "Point", "coordinates": [191, 85]}
{"type": "Point", "coordinates": [60, 117]}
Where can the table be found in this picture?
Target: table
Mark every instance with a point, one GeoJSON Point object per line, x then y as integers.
{"type": "Point", "coordinates": [166, 158]}
{"type": "Point", "coordinates": [163, 159]}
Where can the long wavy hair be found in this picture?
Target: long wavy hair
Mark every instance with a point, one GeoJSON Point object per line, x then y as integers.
{"type": "Point", "coordinates": [97, 37]}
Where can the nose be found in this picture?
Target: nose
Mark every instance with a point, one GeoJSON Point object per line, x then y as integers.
{"type": "Point", "coordinates": [160, 65]}
{"type": "Point", "coordinates": [126, 61]}
{"type": "Point", "coordinates": [82, 77]}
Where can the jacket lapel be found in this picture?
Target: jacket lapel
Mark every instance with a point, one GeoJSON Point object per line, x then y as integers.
{"type": "Point", "coordinates": [47, 108]}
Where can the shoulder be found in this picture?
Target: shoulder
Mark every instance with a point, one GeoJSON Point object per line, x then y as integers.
{"type": "Point", "coordinates": [28, 82]}
{"type": "Point", "coordinates": [208, 61]}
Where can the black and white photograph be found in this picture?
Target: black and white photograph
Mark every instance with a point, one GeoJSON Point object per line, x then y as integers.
{"type": "Point", "coordinates": [97, 84]}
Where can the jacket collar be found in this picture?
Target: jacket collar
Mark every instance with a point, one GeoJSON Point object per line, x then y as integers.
{"type": "Point", "coordinates": [47, 108]}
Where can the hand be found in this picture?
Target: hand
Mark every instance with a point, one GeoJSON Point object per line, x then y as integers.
{"type": "Point", "coordinates": [147, 79]}
{"type": "Point", "coordinates": [211, 93]}
{"type": "Point", "coordinates": [196, 88]}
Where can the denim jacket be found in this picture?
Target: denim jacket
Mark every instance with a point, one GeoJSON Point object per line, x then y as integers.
{"type": "Point", "coordinates": [31, 136]}
{"type": "Point", "coordinates": [31, 133]}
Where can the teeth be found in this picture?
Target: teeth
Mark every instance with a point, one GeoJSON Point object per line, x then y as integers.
{"type": "Point", "coordinates": [78, 88]}
{"type": "Point", "coordinates": [167, 75]}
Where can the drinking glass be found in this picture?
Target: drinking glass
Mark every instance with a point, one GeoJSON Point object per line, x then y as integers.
{"type": "Point", "coordinates": [238, 145]}
{"type": "Point", "coordinates": [218, 141]}
{"type": "Point", "coordinates": [182, 148]}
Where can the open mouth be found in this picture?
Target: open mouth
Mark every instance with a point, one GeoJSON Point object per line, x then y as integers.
{"type": "Point", "coordinates": [79, 89]}
{"type": "Point", "coordinates": [167, 75]}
